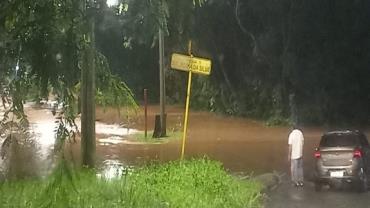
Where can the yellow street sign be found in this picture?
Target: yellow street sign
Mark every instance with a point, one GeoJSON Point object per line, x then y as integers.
{"type": "Point", "coordinates": [180, 62]}
{"type": "Point", "coordinates": [189, 63]}
{"type": "Point", "coordinates": [200, 65]}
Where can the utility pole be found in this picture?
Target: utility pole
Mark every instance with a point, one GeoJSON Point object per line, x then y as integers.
{"type": "Point", "coordinates": [88, 91]}
{"type": "Point", "coordinates": [162, 88]}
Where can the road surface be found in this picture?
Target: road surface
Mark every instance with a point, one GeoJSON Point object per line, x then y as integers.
{"type": "Point", "coordinates": [288, 196]}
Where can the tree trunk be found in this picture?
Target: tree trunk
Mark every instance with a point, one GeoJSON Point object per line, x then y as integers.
{"type": "Point", "coordinates": [88, 99]}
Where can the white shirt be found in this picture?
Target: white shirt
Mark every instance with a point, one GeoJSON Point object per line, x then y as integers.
{"type": "Point", "coordinates": [296, 140]}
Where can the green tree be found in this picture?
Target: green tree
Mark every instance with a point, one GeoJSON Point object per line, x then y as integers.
{"type": "Point", "coordinates": [45, 44]}
{"type": "Point", "coordinates": [266, 56]}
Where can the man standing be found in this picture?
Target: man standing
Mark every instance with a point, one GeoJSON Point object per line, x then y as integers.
{"type": "Point", "coordinates": [295, 154]}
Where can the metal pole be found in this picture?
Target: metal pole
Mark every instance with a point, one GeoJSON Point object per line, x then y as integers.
{"type": "Point", "coordinates": [187, 104]}
{"type": "Point", "coordinates": [146, 111]}
{"type": "Point", "coordinates": [186, 116]}
{"type": "Point", "coordinates": [162, 83]}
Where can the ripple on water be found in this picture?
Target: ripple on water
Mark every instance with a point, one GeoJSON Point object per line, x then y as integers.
{"type": "Point", "coordinates": [113, 129]}
{"type": "Point", "coordinates": [111, 140]}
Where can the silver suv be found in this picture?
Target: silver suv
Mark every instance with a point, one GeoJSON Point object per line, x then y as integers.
{"type": "Point", "coordinates": [343, 156]}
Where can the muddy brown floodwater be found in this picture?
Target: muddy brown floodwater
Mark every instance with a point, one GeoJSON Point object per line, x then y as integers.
{"type": "Point", "coordinates": [242, 145]}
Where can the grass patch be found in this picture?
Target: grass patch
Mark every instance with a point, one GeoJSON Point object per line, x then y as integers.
{"type": "Point", "coordinates": [140, 137]}
{"type": "Point", "coordinates": [193, 183]}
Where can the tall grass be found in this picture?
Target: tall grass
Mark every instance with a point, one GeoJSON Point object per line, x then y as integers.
{"type": "Point", "coordinates": [140, 137]}
{"type": "Point", "coordinates": [193, 183]}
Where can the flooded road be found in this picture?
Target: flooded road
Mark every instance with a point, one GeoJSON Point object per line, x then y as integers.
{"type": "Point", "coordinates": [242, 145]}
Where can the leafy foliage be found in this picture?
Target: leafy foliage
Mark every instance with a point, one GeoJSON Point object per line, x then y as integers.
{"type": "Point", "coordinates": [194, 183]}
{"type": "Point", "coordinates": [111, 91]}
{"type": "Point", "coordinates": [42, 43]}
{"type": "Point", "coordinates": [264, 52]}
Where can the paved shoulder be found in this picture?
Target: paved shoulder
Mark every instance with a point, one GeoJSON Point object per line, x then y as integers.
{"type": "Point", "coordinates": [288, 196]}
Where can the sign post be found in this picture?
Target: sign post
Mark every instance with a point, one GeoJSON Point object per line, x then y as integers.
{"type": "Point", "coordinates": [186, 116]}
{"type": "Point", "coordinates": [191, 65]}
{"type": "Point", "coordinates": [146, 111]}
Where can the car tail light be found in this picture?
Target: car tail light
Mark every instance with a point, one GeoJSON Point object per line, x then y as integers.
{"type": "Point", "coordinates": [357, 153]}
{"type": "Point", "coordinates": [317, 154]}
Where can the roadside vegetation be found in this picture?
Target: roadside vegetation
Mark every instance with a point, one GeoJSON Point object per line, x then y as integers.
{"type": "Point", "coordinates": [140, 137]}
{"type": "Point", "coordinates": [191, 183]}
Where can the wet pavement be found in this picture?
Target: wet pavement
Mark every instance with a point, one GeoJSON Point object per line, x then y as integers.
{"type": "Point", "coordinates": [288, 196]}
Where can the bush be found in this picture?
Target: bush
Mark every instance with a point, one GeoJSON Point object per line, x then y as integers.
{"type": "Point", "coordinates": [193, 183]}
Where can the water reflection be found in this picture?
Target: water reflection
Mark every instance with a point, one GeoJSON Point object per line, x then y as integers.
{"type": "Point", "coordinates": [111, 169]}
{"type": "Point", "coordinates": [42, 137]}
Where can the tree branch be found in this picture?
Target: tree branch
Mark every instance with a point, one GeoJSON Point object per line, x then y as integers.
{"type": "Point", "coordinates": [243, 29]}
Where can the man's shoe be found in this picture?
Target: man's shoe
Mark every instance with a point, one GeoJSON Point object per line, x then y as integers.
{"type": "Point", "coordinates": [300, 183]}
{"type": "Point", "coordinates": [295, 183]}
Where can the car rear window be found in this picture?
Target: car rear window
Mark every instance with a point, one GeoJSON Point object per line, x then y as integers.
{"type": "Point", "coordinates": [339, 140]}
